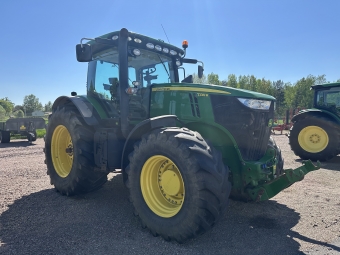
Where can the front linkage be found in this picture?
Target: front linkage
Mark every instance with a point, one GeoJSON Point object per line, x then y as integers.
{"type": "Point", "coordinates": [290, 176]}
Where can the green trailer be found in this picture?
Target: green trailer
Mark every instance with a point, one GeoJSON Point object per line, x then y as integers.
{"type": "Point", "coordinates": [183, 148]}
{"type": "Point", "coordinates": [22, 126]}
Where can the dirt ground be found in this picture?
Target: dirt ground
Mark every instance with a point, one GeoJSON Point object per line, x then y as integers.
{"type": "Point", "coordinates": [35, 219]}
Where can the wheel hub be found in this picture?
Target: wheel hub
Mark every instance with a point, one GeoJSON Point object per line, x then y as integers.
{"type": "Point", "coordinates": [162, 186]}
{"type": "Point", "coordinates": [313, 139]}
{"type": "Point", "coordinates": [62, 151]}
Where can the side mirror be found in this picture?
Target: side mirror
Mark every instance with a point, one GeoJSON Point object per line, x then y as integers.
{"type": "Point", "coordinates": [200, 71]}
{"type": "Point", "coordinates": [84, 52]}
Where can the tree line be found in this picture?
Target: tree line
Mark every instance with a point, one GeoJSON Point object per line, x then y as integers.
{"type": "Point", "coordinates": [30, 104]}
{"type": "Point", "coordinates": [288, 95]}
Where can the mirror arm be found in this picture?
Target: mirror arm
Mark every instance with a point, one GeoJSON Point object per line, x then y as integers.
{"type": "Point", "coordinates": [81, 41]}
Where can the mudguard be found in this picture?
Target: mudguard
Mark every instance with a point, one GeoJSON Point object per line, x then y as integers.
{"type": "Point", "coordinates": [84, 107]}
{"type": "Point", "coordinates": [315, 112]}
{"type": "Point", "coordinates": [142, 128]}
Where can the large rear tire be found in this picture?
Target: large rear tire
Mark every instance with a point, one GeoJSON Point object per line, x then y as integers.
{"type": "Point", "coordinates": [69, 153]}
{"type": "Point", "coordinates": [5, 136]}
{"type": "Point", "coordinates": [315, 138]}
{"type": "Point", "coordinates": [178, 184]}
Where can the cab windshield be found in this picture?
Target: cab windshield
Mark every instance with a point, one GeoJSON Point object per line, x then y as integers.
{"type": "Point", "coordinates": [144, 69]}
{"type": "Point", "coordinates": [147, 67]}
{"type": "Point", "coordinates": [329, 99]}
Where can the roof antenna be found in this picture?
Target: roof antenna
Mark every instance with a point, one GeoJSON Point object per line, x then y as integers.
{"type": "Point", "coordinates": [165, 34]}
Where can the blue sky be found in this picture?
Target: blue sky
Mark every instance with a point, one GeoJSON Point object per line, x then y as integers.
{"type": "Point", "coordinates": [286, 39]}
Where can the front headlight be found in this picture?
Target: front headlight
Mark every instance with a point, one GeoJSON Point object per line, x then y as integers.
{"type": "Point", "coordinates": [255, 103]}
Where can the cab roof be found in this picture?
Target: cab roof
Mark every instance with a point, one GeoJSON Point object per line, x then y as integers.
{"type": "Point", "coordinates": [326, 85]}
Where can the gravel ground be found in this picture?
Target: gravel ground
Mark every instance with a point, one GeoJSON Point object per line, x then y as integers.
{"type": "Point", "coordinates": [35, 219]}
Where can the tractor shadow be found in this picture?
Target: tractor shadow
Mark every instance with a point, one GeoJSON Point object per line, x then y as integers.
{"type": "Point", "coordinates": [102, 222]}
{"type": "Point", "coordinates": [333, 164]}
{"type": "Point", "coordinates": [16, 143]}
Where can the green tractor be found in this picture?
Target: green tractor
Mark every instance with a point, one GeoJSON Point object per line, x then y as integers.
{"type": "Point", "coordinates": [183, 149]}
{"type": "Point", "coordinates": [315, 133]}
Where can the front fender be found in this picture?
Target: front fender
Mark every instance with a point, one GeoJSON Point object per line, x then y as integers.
{"type": "Point", "coordinates": [142, 128]}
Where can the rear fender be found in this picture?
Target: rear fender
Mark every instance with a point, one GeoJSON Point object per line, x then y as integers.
{"type": "Point", "coordinates": [85, 108]}
{"type": "Point", "coordinates": [316, 112]}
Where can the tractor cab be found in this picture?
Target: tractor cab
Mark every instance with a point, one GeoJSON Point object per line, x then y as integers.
{"type": "Point", "coordinates": [327, 97]}
{"type": "Point", "coordinates": [122, 68]}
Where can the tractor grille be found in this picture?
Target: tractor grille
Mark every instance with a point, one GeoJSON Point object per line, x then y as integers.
{"type": "Point", "coordinates": [249, 127]}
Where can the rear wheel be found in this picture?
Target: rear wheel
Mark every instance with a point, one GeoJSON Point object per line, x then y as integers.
{"type": "Point", "coordinates": [315, 138]}
{"type": "Point", "coordinates": [69, 153]}
{"type": "Point", "coordinates": [5, 136]}
{"type": "Point", "coordinates": [178, 184]}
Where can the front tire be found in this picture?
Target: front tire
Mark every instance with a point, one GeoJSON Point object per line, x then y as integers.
{"type": "Point", "coordinates": [315, 138]}
{"type": "Point", "coordinates": [178, 184]}
{"type": "Point", "coordinates": [69, 153]}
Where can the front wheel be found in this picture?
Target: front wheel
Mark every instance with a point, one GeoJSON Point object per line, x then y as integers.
{"type": "Point", "coordinates": [69, 153]}
{"type": "Point", "coordinates": [178, 184]}
{"type": "Point", "coordinates": [315, 138]}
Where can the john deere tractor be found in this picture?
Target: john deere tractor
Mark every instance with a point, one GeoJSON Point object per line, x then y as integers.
{"type": "Point", "coordinates": [183, 148]}
{"type": "Point", "coordinates": [315, 134]}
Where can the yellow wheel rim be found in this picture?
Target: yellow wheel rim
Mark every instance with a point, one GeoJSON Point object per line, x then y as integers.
{"type": "Point", "coordinates": [313, 139]}
{"type": "Point", "coordinates": [62, 151]}
{"type": "Point", "coordinates": [162, 186]}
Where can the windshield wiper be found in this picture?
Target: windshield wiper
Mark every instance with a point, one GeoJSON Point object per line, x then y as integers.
{"type": "Point", "coordinates": [164, 66]}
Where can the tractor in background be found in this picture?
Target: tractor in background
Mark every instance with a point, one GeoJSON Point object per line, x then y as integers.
{"type": "Point", "coordinates": [315, 133]}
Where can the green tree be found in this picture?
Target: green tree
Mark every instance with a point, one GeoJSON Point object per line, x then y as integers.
{"type": "Point", "coordinates": [197, 80]}
{"type": "Point", "coordinates": [17, 108]}
{"type": "Point", "coordinates": [232, 81]}
{"type": "Point", "coordinates": [2, 113]}
{"type": "Point", "coordinates": [252, 83]}
{"type": "Point", "coordinates": [31, 104]}
{"type": "Point", "coordinates": [304, 96]}
{"type": "Point", "coordinates": [7, 105]}
{"type": "Point", "coordinates": [19, 114]}
{"type": "Point", "coordinates": [278, 91]}
{"type": "Point", "coordinates": [213, 79]}
{"type": "Point", "coordinates": [48, 106]}
{"type": "Point", "coordinates": [263, 86]}
{"type": "Point", "coordinates": [243, 81]}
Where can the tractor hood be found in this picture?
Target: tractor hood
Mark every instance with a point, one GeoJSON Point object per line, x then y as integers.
{"type": "Point", "coordinates": [212, 89]}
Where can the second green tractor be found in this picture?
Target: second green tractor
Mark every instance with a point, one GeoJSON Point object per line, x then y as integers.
{"type": "Point", "coordinates": [315, 133]}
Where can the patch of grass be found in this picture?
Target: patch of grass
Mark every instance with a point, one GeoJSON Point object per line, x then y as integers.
{"type": "Point", "coordinates": [41, 133]}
